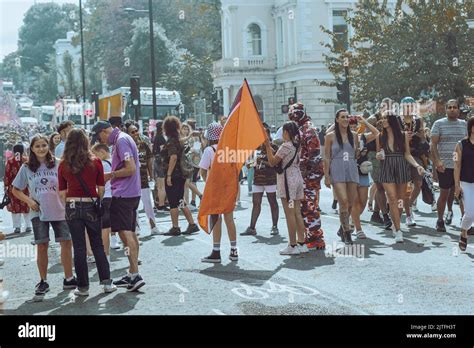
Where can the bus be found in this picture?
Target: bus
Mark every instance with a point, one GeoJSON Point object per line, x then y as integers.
{"type": "Point", "coordinates": [117, 103]}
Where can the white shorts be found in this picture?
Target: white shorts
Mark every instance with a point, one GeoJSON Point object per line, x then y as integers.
{"type": "Point", "coordinates": [266, 188]}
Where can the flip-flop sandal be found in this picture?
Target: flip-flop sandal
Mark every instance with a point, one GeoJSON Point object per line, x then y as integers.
{"type": "Point", "coordinates": [462, 243]}
{"type": "Point", "coordinates": [361, 235]}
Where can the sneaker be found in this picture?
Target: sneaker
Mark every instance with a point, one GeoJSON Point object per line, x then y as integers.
{"type": "Point", "coordinates": [434, 206]}
{"type": "Point", "coordinates": [470, 231]}
{"type": "Point", "coordinates": [3, 297]}
{"type": "Point", "coordinates": [341, 234]}
{"type": "Point", "coordinates": [81, 292]}
{"type": "Point", "coordinates": [136, 283]}
{"type": "Point", "coordinates": [375, 218]}
{"type": "Point", "coordinates": [303, 248]}
{"type": "Point", "coordinates": [387, 222]}
{"type": "Point", "coordinates": [410, 221]}
{"type": "Point", "coordinates": [347, 238]}
{"type": "Point", "coordinates": [90, 259]}
{"type": "Point", "coordinates": [70, 284]}
{"type": "Point", "coordinates": [234, 255]}
{"type": "Point", "coordinates": [334, 205]}
{"type": "Point", "coordinates": [110, 287]}
{"type": "Point", "coordinates": [249, 232]}
{"type": "Point", "coordinates": [17, 230]}
{"type": "Point", "coordinates": [123, 283]}
{"type": "Point", "coordinates": [449, 218]}
{"type": "Point", "coordinates": [41, 288]}
{"type": "Point", "coordinates": [193, 203]}
{"type": "Point", "coordinates": [399, 237]}
{"type": "Point", "coordinates": [155, 231]}
{"type": "Point", "coordinates": [192, 229]}
{"type": "Point", "coordinates": [163, 209]}
{"type": "Point", "coordinates": [28, 230]}
{"type": "Point", "coordinates": [173, 231]}
{"type": "Point", "coordinates": [290, 250]}
{"type": "Point", "coordinates": [274, 231]}
{"type": "Point", "coordinates": [215, 257]}
{"type": "Point", "coordinates": [414, 207]}
{"type": "Point", "coordinates": [440, 226]}
{"type": "Point", "coordinates": [114, 242]}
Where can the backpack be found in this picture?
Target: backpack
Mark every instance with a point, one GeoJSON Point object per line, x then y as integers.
{"type": "Point", "coordinates": [186, 162]}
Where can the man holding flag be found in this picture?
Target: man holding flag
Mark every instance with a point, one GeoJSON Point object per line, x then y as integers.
{"type": "Point", "coordinates": [243, 133]}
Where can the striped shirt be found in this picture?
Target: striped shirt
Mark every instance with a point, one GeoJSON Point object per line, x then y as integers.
{"type": "Point", "coordinates": [449, 132]}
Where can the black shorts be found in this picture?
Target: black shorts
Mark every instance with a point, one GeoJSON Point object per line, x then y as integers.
{"type": "Point", "coordinates": [195, 175]}
{"type": "Point", "coordinates": [175, 192]}
{"type": "Point", "coordinates": [446, 179]}
{"type": "Point", "coordinates": [123, 213]}
{"type": "Point", "coordinates": [106, 216]}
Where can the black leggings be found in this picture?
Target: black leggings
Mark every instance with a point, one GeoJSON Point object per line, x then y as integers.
{"type": "Point", "coordinates": [175, 192]}
{"type": "Point", "coordinates": [257, 207]}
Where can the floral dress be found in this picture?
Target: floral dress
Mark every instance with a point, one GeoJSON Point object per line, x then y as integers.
{"type": "Point", "coordinates": [11, 170]}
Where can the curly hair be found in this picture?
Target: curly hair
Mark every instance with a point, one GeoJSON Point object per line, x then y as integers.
{"type": "Point", "coordinates": [172, 127]}
{"type": "Point", "coordinates": [33, 162]}
{"type": "Point", "coordinates": [77, 153]}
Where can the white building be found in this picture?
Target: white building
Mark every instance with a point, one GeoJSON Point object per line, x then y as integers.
{"type": "Point", "coordinates": [63, 46]}
{"type": "Point", "coordinates": [275, 44]}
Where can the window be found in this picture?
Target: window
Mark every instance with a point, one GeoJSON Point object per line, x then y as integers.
{"type": "Point", "coordinates": [259, 104]}
{"type": "Point", "coordinates": [254, 40]}
{"type": "Point", "coordinates": [339, 28]}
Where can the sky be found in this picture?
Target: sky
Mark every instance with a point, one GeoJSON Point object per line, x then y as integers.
{"type": "Point", "coordinates": [11, 19]}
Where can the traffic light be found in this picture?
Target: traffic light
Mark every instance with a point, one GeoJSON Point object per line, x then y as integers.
{"type": "Point", "coordinates": [95, 102]}
{"type": "Point", "coordinates": [135, 91]}
{"type": "Point", "coordinates": [343, 92]}
{"type": "Point", "coordinates": [215, 104]}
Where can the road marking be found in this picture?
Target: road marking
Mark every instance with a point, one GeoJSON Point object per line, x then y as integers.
{"type": "Point", "coordinates": [218, 311]}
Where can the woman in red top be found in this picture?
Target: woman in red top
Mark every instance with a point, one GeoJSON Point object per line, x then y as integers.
{"type": "Point", "coordinates": [16, 207]}
{"type": "Point", "coordinates": [81, 183]}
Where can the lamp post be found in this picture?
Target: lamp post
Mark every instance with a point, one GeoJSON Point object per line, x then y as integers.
{"type": "Point", "coordinates": [83, 69]}
{"type": "Point", "coordinates": [152, 51]}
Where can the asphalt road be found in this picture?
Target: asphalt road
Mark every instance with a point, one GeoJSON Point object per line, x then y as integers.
{"type": "Point", "coordinates": [424, 275]}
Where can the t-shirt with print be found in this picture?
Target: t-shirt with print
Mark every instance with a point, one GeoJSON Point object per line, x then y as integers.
{"type": "Point", "coordinates": [264, 174]}
{"type": "Point", "coordinates": [124, 149]}
{"type": "Point", "coordinates": [208, 157]}
{"type": "Point", "coordinates": [449, 132]}
{"type": "Point", "coordinates": [144, 155]}
{"type": "Point", "coordinates": [172, 147]}
{"type": "Point", "coordinates": [43, 187]}
{"type": "Point", "coordinates": [107, 169]}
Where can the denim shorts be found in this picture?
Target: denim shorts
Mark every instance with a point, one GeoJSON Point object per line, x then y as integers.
{"type": "Point", "coordinates": [41, 230]}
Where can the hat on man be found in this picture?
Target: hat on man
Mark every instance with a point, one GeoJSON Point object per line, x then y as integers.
{"type": "Point", "coordinates": [98, 127]}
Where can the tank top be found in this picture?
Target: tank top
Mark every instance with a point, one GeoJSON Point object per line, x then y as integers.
{"type": "Point", "coordinates": [467, 161]}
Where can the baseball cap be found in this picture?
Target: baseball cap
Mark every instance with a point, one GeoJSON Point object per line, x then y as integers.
{"type": "Point", "coordinates": [98, 127]}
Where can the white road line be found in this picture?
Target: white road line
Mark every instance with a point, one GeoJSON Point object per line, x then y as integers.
{"type": "Point", "coordinates": [218, 311]}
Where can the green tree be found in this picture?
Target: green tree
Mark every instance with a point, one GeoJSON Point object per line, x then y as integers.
{"type": "Point", "coordinates": [394, 54]}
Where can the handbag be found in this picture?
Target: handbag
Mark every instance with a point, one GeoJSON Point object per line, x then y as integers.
{"type": "Point", "coordinates": [97, 203]}
{"type": "Point", "coordinates": [5, 201]}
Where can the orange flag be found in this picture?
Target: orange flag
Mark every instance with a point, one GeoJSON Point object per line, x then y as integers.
{"type": "Point", "coordinates": [242, 134]}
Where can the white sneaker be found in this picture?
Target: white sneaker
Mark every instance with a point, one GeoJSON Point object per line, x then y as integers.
{"type": "Point", "coordinates": [434, 206]}
{"type": "Point", "coordinates": [90, 259]}
{"type": "Point", "coordinates": [79, 292]}
{"type": "Point", "coordinates": [399, 237]}
{"type": "Point", "coordinates": [289, 250]}
{"type": "Point", "coordinates": [155, 231]}
{"type": "Point", "coordinates": [108, 288]}
{"type": "Point", "coordinates": [114, 242]}
{"type": "Point", "coordinates": [414, 207]}
{"type": "Point", "coordinates": [3, 297]}
{"type": "Point", "coordinates": [411, 221]}
{"type": "Point", "coordinates": [303, 248]}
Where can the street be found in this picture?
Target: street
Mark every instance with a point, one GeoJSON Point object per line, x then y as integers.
{"type": "Point", "coordinates": [426, 275]}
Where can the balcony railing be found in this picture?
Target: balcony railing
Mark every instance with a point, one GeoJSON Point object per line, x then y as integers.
{"type": "Point", "coordinates": [230, 65]}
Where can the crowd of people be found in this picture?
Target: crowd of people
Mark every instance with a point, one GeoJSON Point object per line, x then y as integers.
{"type": "Point", "coordinates": [87, 186]}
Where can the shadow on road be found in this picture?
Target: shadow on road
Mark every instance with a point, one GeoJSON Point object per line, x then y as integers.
{"type": "Point", "coordinates": [273, 240]}
{"type": "Point", "coordinates": [175, 241]}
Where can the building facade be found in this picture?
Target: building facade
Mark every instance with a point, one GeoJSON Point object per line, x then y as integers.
{"type": "Point", "coordinates": [276, 45]}
{"type": "Point", "coordinates": [68, 77]}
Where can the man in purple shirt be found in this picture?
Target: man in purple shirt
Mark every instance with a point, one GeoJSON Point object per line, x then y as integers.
{"type": "Point", "coordinates": [126, 193]}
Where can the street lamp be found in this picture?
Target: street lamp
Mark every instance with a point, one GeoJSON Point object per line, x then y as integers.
{"type": "Point", "coordinates": [152, 51]}
{"type": "Point", "coordinates": [82, 60]}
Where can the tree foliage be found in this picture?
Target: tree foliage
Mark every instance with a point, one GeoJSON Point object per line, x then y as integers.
{"type": "Point", "coordinates": [421, 44]}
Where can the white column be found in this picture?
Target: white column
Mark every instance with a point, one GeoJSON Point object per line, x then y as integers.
{"type": "Point", "coordinates": [225, 97]}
